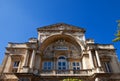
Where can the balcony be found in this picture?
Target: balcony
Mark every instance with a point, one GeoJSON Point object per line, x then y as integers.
{"type": "Point", "coordinates": [65, 72]}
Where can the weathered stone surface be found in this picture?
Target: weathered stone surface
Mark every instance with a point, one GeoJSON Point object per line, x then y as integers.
{"type": "Point", "coordinates": [60, 51]}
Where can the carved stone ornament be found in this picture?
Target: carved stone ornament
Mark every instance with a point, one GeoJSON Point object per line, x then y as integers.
{"type": "Point", "coordinates": [61, 45]}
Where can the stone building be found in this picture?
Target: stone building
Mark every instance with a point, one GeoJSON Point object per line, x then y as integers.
{"type": "Point", "coordinates": [60, 51]}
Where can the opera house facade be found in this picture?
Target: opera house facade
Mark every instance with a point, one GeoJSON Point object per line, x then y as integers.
{"type": "Point", "coordinates": [61, 51]}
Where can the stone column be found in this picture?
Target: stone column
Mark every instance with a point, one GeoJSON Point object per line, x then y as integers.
{"type": "Point", "coordinates": [39, 38]}
{"type": "Point", "coordinates": [84, 65]}
{"type": "Point", "coordinates": [25, 66]}
{"type": "Point", "coordinates": [26, 58]}
{"type": "Point", "coordinates": [71, 69]}
{"type": "Point", "coordinates": [98, 59]}
{"type": "Point", "coordinates": [91, 59]}
{"type": "Point", "coordinates": [32, 59]}
{"type": "Point", "coordinates": [54, 66]}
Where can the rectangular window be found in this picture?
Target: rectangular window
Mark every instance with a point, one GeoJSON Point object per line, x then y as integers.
{"type": "Point", "coordinates": [62, 65]}
{"type": "Point", "coordinates": [107, 66]}
{"type": "Point", "coordinates": [47, 65]}
{"type": "Point", "coordinates": [16, 64]}
{"type": "Point", "coordinates": [76, 65]}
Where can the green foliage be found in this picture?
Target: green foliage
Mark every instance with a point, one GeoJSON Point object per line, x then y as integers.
{"type": "Point", "coordinates": [71, 79]}
{"type": "Point", "coordinates": [118, 33]}
{"type": "Point", "coordinates": [117, 37]}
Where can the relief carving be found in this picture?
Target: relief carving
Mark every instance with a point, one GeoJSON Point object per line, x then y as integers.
{"type": "Point", "coordinates": [61, 46]}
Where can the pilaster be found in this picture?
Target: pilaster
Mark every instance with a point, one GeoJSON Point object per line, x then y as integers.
{"type": "Point", "coordinates": [91, 59]}
{"type": "Point", "coordinates": [25, 66]}
{"type": "Point", "coordinates": [32, 60]}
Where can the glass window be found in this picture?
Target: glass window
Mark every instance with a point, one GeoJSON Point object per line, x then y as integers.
{"type": "Point", "coordinates": [61, 57]}
{"type": "Point", "coordinates": [64, 68]}
{"type": "Point", "coordinates": [74, 68]}
{"type": "Point", "coordinates": [78, 68]}
{"type": "Point", "coordinates": [59, 63]}
{"type": "Point", "coordinates": [62, 63]}
{"type": "Point", "coordinates": [47, 65]}
{"type": "Point", "coordinates": [107, 66]}
{"type": "Point", "coordinates": [16, 64]}
{"type": "Point", "coordinates": [76, 65]}
{"type": "Point", "coordinates": [73, 63]}
{"type": "Point", "coordinates": [45, 68]}
{"type": "Point", "coordinates": [59, 68]}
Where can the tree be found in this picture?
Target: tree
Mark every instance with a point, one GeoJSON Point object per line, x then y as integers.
{"type": "Point", "coordinates": [71, 79]}
{"type": "Point", "coordinates": [118, 33]}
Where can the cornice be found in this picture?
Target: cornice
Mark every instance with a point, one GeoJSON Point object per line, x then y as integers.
{"type": "Point", "coordinates": [49, 27]}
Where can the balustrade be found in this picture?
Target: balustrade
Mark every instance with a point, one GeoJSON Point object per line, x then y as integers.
{"type": "Point", "coordinates": [57, 72]}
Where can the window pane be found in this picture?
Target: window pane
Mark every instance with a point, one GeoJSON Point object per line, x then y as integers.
{"type": "Point", "coordinates": [73, 63]}
{"type": "Point", "coordinates": [49, 68]}
{"type": "Point", "coordinates": [78, 68]}
{"type": "Point", "coordinates": [45, 68]}
{"type": "Point", "coordinates": [64, 68]}
{"type": "Point", "coordinates": [16, 64]}
{"type": "Point", "coordinates": [61, 57]}
{"type": "Point", "coordinates": [45, 63]}
{"type": "Point", "coordinates": [49, 63]}
{"type": "Point", "coordinates": [74, 68]}
{"type": "Point", "coordinates": [59, 68]}
{"type": "Point", "coordinates": [59, 63]}
{"type": "Point", "coordinates": [77, 63]}
{"type": "Point", "coordinates": [64, 63]}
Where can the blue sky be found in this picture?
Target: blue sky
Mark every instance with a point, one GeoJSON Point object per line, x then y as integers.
{"type": "Point", "coordinates": [20, 18]}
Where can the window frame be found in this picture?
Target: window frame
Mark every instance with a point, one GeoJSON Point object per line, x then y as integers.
{"type": "Point", "coordinates": [76, 65]}
{"type": "Point", "coordinates": [48, 65]}
{"type": "Point", "coordinates": [107, 67]}
{"type": "Point", "coordinates": [16, 64]}
{"type": "Point", "coordinates": [63, 61]}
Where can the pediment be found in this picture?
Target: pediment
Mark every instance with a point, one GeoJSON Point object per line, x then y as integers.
{"type": "Point", "coordinates": [61, 26]}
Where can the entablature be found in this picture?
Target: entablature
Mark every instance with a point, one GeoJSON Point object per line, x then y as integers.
{"type": "Point", "coordinates": [101, 46]}
{"type": "Point", "coordinates": [17, 45]}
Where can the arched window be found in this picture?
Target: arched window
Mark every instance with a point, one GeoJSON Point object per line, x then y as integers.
{"type": "Point", "coordinates": [60, 58]}
{"type": "Point", "coordinates": [62, 63]}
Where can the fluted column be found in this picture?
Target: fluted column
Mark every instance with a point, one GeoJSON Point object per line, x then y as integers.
{"type": "Point", "coordinates": [32, 59]}
{"type": "Point", "coordinates": [91, 59]}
